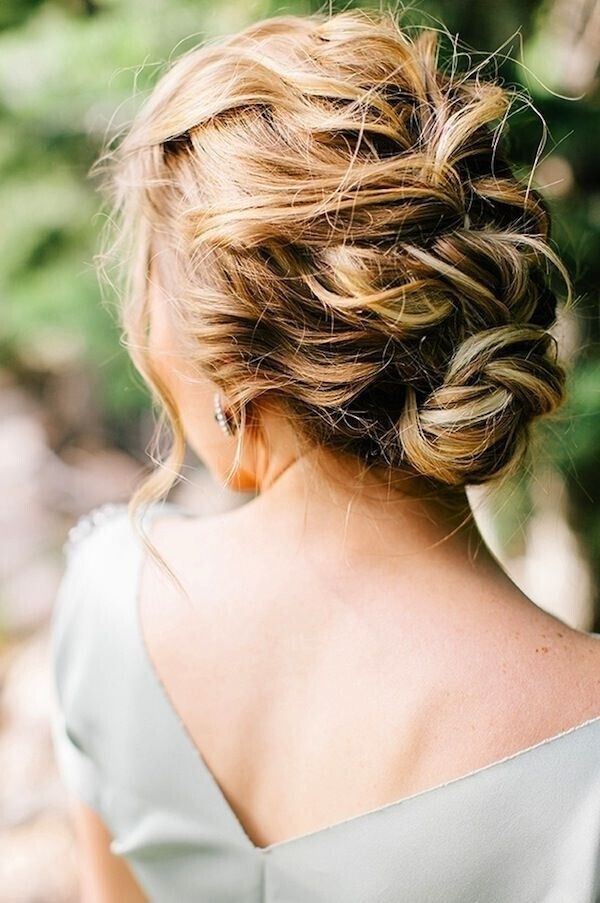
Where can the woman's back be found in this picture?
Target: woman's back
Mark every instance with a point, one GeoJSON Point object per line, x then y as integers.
{"type": "Point", "coordinates": [349, 689]}
{"type": "Point", "coordinates": [438, 769]}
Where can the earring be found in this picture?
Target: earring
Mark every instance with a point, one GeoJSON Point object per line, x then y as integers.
{"type": "Point", "coordinates": [221, 416]}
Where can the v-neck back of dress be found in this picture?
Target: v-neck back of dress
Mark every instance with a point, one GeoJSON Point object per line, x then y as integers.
{"type": "Point", "coordinates": [525, 827]}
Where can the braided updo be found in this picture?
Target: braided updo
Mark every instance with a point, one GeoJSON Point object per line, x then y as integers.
{"type": "Point", "coordinates": [349, 238]}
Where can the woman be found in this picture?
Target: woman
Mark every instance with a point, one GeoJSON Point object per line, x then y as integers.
{"type": "Point", "coordinates": [339, 292]}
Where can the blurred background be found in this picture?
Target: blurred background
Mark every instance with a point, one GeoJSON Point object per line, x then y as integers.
{"type": "Point", "coordinates": [75, 419]}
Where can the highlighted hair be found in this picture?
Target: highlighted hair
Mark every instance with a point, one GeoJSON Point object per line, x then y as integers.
{"type": "Point", "coordinates": [348, 238]}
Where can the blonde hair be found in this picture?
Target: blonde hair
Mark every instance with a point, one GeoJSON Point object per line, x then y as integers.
{"type": "Point", "coordinates": [347, 237]}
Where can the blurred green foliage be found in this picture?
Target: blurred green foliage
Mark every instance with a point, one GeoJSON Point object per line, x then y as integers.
{"type": "Point", "coordinates": [72, 72]}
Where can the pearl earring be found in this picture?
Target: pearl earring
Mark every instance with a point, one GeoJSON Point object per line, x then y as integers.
{"type": "Point", "coordinates": [221, 417]}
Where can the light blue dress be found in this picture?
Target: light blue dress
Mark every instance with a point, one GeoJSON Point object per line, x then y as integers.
{"type": "Point", "coordinates": [524, 829]}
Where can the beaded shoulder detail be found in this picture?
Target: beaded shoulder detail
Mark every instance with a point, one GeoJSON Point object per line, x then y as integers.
{"type": "Point", "coordinates": [87, 523]}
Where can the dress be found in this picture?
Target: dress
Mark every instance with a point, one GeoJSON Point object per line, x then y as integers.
{"type": "Point", "coordinates": [524, 829]}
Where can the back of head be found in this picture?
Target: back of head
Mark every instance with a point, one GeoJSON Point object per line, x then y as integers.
{"type": "Point", "coordinates": [349, 238]}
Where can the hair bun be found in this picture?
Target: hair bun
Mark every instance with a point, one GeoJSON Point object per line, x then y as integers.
{"type": "Point", "coordinates": [474, 426]}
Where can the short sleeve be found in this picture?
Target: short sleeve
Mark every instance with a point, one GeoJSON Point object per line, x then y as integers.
{"type": "Point", "coordinates": [71, 632]}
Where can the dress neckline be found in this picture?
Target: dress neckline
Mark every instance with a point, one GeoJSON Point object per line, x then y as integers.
{"type": "Point", "coordinates": [181, 730]}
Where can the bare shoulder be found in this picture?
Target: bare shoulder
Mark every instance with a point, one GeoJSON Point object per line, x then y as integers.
{"type": "Point", "coordinates": [562, 664]}
{"type": "Point", "coordinates": [583, 656]}
{"type": "Point", "coordinates": [200, 549]}
{"type": "Point", "coordinates": [185, 538]}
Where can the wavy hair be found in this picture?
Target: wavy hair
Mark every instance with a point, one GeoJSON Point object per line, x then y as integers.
{"type": "Point", "coordinates": [348, 237]}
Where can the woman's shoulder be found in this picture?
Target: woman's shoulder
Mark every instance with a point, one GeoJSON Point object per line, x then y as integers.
{"type": "Point", "coordinates": [109, 521]}
{"type": "Point", "coordinates": [93, 552]}
{"type": "Point", "coordinates": [92, 524]}
{"type": "Point", "coordinates": [101, 559]}
{"type": "Point", "coordinates": [102, 555]}
{"type": "Point", "coordinates": [94, 645]}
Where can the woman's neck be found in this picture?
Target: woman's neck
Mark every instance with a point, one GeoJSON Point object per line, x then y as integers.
{"type": "Point", "coordinates": [341, 509]}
